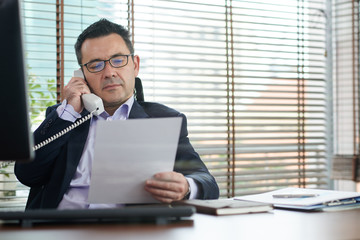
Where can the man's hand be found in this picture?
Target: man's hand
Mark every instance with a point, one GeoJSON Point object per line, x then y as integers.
{"type": "Point", "coordinates": [73, 91]}
{"type": "Point", "coordinates": [167, 186]}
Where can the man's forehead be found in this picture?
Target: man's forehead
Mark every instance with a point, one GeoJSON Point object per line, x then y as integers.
{"type": "Point", "coordinates": [104, 46]}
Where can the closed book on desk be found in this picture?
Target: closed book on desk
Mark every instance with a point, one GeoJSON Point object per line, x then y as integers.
{"type": "Point", "coordinates": [226, 206]}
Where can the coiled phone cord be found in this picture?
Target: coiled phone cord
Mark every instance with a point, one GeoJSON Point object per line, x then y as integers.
{"type": "Point", "coordinates": [66, 130]}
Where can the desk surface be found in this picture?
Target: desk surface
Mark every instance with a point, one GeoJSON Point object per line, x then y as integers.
{"type": "Point", "coordinates": [278, 224]}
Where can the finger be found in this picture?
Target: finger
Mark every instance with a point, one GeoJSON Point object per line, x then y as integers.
{"type": "Point", "coordinates": [161, 192]}
{"type": "Point", "coordinates": [77, 83]}
{"type": "Point", "coordinates": [169, 176]}
{"type": "Point", "coordinates": [167, 185]}
{"type": "Point", "coordinates": [164, 200]}
{"type": "Point", "coordinates": [76, 87]}
{"type": "Point", "coordinates": [76, 80]}
{"type": "Point", "coordinates": [163, 195]}
{"type": "Point", "coordinates": [165, 189]}
{"type": "Point", "coordinates": [73, 91]}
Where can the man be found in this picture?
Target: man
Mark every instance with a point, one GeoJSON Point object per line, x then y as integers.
{"type": "Point", "coordinates": [59, 176]}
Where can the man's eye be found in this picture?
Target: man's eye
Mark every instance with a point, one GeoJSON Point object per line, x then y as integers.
{"type": "Point", "coordinates": [96, 65]}
{"type": "Point", "coordinates": [117, 61]}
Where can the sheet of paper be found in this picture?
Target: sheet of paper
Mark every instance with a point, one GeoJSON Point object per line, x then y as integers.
{"type": "Point", "coordinates": [322, 196]}
{"type": "Point", "coordinates": [127, 153]}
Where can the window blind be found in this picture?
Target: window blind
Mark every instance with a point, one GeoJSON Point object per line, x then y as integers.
{"type": "Point", "coordinates": [39, 18]}
{"type": "Point", "coordinates": [183, 51]}
{"type": "Point", "coordinates": [249, 75]}
{"type": "Point", "coordinates": [251, 78]}
{"type": "Point", "coordinates": [78, 15]}
{"type": "Point", "coordinates": [13, 195]}
{"type": "Point", "coordinates": [346, 163]}
{"type": "Point", "coordinates": [279, 96]}
{"type": "Point", "coordinates": [39, 37]}
{"type": "Point", "coordinates": [50, 30]}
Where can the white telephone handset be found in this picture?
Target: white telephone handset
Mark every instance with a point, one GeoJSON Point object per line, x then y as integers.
{"type": "Point", "coordinates": [92, 103]}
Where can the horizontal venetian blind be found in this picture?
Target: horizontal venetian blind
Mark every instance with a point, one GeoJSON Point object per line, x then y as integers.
{"type": "Point", "coordinates": [183, 51]}
{"type": "Point", "coordinates": [39, 37]}
{"type": "Point", "coordinates": [279, 95]}
{"type": "Point", "coordinates": [346, 163]}
{"type": "Point", "coordinates": [46, 51]}
{"type": "Point", "coordinates": [39, 18]}
{"type": "Point", "coordinates": [78, 15]}
{"type": "Point", "coordinates": [13, 195]}
{"type": "Point", "coordinates": [250, 76]}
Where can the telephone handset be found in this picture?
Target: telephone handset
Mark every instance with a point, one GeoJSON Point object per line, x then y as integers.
{"type": "Point", "coordinates": [92, 103]}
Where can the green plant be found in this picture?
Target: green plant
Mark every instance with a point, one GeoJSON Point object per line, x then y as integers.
{"type": "Point", "coordinates": [41, 95]}
{"type": "Point", "coordinates": [3, 171]}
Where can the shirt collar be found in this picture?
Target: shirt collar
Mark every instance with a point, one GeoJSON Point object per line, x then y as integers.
{"type": "Point", "coordinates": [121, 113]}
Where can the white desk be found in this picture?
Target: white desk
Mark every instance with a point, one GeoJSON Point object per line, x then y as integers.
{"type": "Point", "coordinates": [279, 224]}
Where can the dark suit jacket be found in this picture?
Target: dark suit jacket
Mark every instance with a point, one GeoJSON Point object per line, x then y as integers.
{"type": "Point", "coordinates": [50, 174]}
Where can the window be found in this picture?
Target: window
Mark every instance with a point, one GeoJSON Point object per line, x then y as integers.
{"type": "Point", "coordinates": [251, 76]}
{"type": "Point", "coordinates": [346, 91]}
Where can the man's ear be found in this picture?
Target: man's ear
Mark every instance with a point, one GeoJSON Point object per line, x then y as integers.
{"type": "Point", "coordinates": [82, 70]}
{"type": "Point", "coordinates": [84, 77]}
{"type": "Point", "coordinates": [136, 65]}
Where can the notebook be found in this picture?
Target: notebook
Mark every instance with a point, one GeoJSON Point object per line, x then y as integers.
{"type": "Point", "coordinates": [226, 206]}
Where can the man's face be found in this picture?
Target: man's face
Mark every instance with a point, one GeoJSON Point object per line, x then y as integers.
{"type": "Point", "coordinates": [113, 85]}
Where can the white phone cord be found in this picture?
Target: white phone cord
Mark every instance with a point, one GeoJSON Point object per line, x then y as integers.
{"type": "Point", "coordinates": [66, 130]}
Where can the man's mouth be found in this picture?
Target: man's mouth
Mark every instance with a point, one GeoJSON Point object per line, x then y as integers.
{"type": "Point", "coordinates": [111, 86]}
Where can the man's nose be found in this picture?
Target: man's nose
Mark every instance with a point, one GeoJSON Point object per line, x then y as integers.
{"type": "Point", "coordinates": [109, 71]}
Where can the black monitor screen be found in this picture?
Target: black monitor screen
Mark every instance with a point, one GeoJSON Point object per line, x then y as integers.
{"type": "Point", "coordinates": [15, 138]}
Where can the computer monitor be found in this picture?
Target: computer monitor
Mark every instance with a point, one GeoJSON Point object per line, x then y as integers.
{"type": "Point", "coordinates": [15, 135]}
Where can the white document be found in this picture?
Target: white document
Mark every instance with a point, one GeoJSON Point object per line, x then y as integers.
{"type": "Point", "coordinates": [127, 153]}
{"type": "Point", "coordinates": [320, 196]}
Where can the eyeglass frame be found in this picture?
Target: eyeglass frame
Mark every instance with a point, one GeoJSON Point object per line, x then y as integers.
{"type": "Point", "coordinates": [109, 60]}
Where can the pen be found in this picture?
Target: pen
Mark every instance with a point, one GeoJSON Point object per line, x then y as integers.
{"type": "Point", "coordinates": [294, 195]}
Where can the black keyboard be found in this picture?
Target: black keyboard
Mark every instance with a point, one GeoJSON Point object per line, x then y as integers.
{"type": "Point", "coordinates": [140, 213]}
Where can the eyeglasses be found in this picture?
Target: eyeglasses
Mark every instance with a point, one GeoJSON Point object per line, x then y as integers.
{"type": "Point", "coordinates": [116, 61]}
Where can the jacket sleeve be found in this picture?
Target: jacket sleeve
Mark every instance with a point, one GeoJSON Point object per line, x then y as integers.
{"type": "Point", "coordinates": [38, 172]}
{"type": "Point", "coordinates": [187, 160]}
{"type": "Point", "coordinates": [188, 163]}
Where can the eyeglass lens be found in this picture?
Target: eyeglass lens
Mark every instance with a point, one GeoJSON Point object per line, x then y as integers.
{"type": "Point", "coordinates": [116, 62]}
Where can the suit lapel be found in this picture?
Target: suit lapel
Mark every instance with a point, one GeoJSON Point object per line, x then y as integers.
{"type": "Point", "coordinates": [75, 149]}
{"type": "Point", "coordinates": [137, 111]}
{"type": "Point", "coordinates": [77, 143]}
